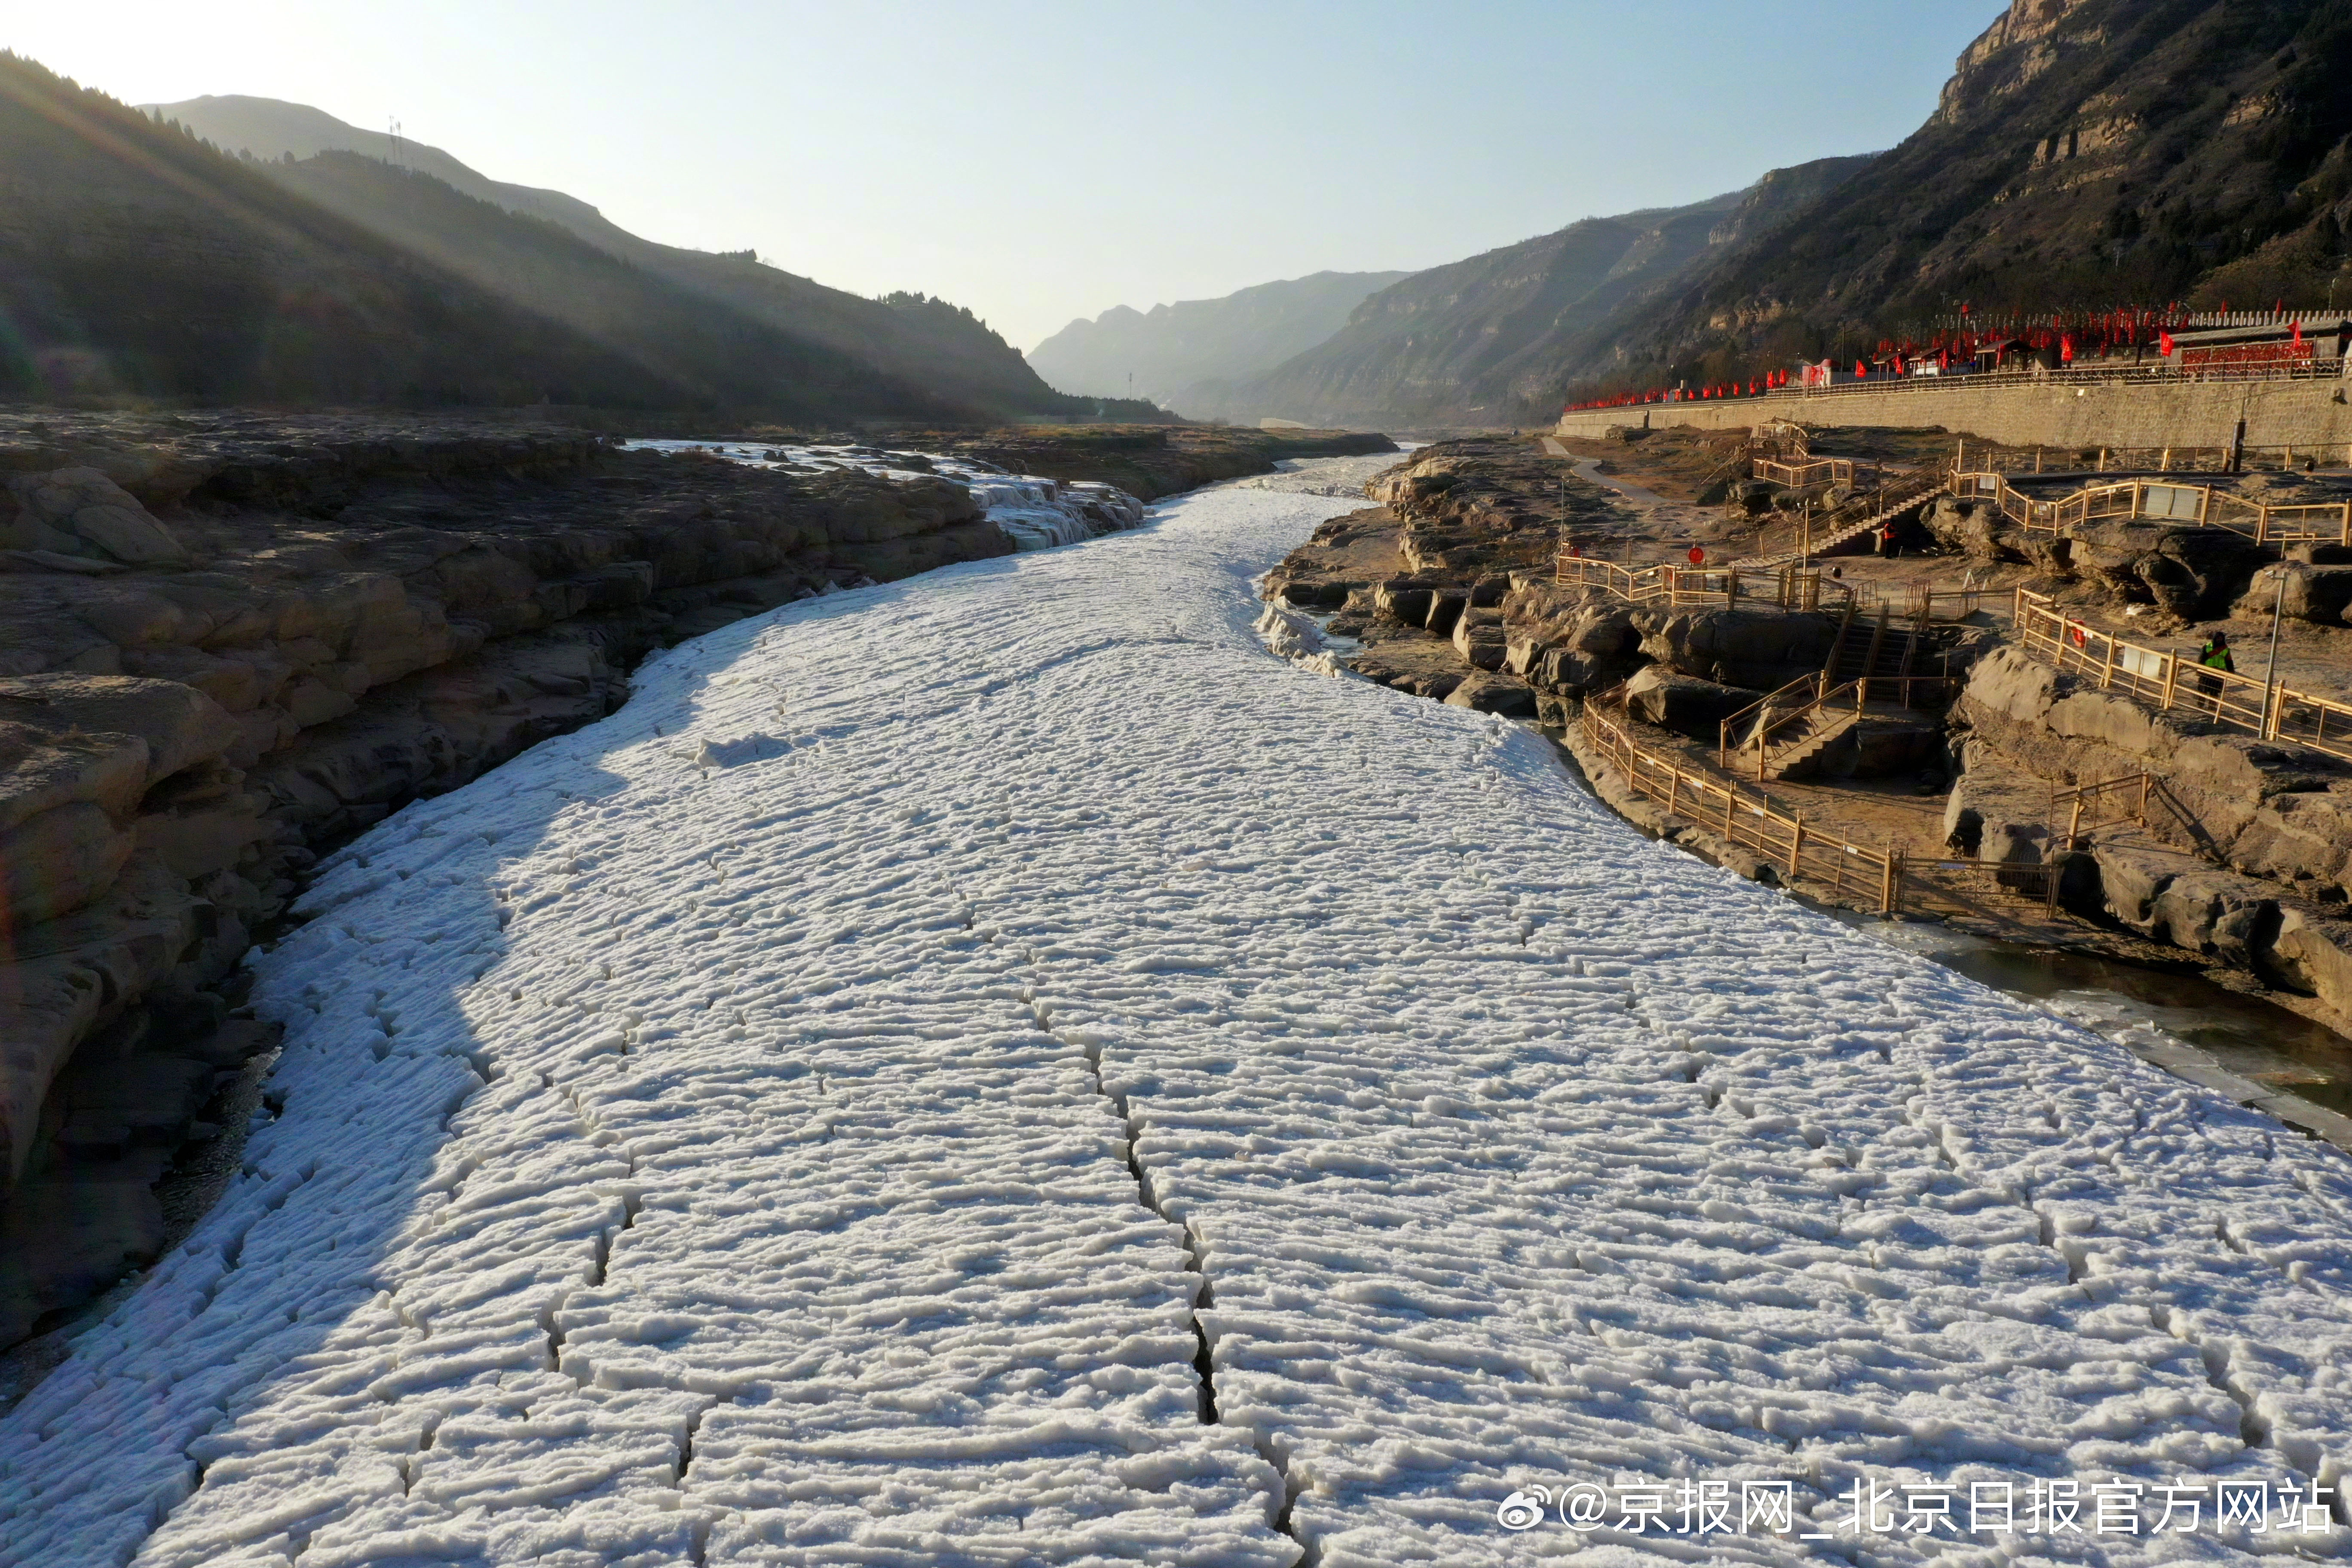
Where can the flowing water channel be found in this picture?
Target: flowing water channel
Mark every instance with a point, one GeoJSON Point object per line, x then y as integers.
{"type": "Point", "coordinates": [2247, 1035]}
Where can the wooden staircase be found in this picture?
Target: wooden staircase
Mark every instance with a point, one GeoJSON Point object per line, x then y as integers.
{"type": "Point", "coordinates": [1907, 494]}
{"type": "Point", "coordinates": [1798, 748]}
{"type": "Point", "coordinates": [1876, 647]}
{"type": "Point", "coordinates": [1871, 671]}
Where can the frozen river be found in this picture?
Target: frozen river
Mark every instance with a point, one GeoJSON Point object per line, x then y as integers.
{"type": "Point", "coordinates": [998, 1069]}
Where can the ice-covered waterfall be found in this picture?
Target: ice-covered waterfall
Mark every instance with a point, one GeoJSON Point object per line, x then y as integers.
{"type": "Point", "coordinates": [1034, 514]}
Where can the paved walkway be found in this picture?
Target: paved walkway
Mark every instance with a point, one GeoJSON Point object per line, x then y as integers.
{"type": "Point", "coordinates": [1662, 516]}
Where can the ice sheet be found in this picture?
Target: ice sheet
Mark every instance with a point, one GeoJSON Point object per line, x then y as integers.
{"type": "Point", "coordinates": [823, 1113]}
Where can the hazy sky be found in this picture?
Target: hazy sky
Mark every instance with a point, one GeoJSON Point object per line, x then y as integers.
{"type": "Point", "coordinates": [1043, 161]}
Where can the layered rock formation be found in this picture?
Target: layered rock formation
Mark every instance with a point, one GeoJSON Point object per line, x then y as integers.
{"type": "Point", "coordinates": [1153, 460]}
{"type": "Point", "coordinates": [1452, 578]}
{"type": "Point", "coordinates": [2248, 860]}
{"type": "Point", "coordinates": [2247, 855]}
{"type": "Point", "coordinates": [1421, 579]}
{"type": "Point", "coordinates": [227, 641]}
{"type": "Point", "coordinates": [2189, 572]}
{"type": "Point", "coordinates": [2090, 150]}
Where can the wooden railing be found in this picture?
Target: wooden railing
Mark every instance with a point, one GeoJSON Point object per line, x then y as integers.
{"type": "Point", "coordinates": [1813, 535]}
{"type": "Point", "coordinates": [1748, 818]}
{"type": "Point", "coordinates": [2141, 459]}
{"type": "Point", "coordinates": [1801, 692]}
{"type": "Point", "coordinates": [1774, 713]}
{"type": "Point", "coordinates": [2133, 787]}
{"type": "Point", "coordinates": [2091, 373]}
{"type": "Point", "coordinates": [2176, 682]}
{"type": "Point", "coordinates": [2195, 505]}
{"type": "Point", "coordinates": [1921, 602]}
{"type": "Point", "coordinates": [1797, 475]}
{"type": "Point", "coordinates": [1699, 586]}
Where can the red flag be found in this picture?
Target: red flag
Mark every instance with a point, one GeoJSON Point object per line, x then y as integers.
{"type": "Point", "coordinates": [2164, 342]}
{"type": "Point", "coordinates": [2298, 332]}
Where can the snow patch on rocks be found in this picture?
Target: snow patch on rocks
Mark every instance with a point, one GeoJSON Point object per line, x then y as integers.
{"type": "Point", "coordinates": [1033, 513]}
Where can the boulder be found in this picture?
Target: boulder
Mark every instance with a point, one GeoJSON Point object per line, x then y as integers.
{"type": "Point", "coordinates": [1764, 648]}
{"type": "Point", "coordinates": [1494, 692]}
{"type": "Point", "coordinates": [179, 724]}
{"type": "Point", "coordinates": [1684, 703]}
{"type": "Point", "coordinates": [1566, 671]}
{"type": "Point", "coordinates": [2224, 916]}
{"type": "Point", "coordinates": [2194, 572]}
{"type": "Point", "coordinates": [1403, 599]}
{"type": "Point", "coordinates": [1479, 636]}
{"type": "Point", "coordinates": [2133, 879]}
{"type": "Point", "coordinates": [1965, 525]}
{"type": "Point", "coordinates": [2303, 836]}
{"type": "Point", "coordinates": [58, 862]}
{"type": "Point", "coordinates": [2299, 592]}
{"type": "Point", "coordinates": [2013, 684]}
{"type": "Point", "coordinates": [2311, 953]}
{"type": "Point", "coordinates": [80, 512]}
{"type": "Point", "coordinates": [2004, 842]}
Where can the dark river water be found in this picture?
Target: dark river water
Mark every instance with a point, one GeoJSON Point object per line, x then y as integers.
{"type": "Point", "coordinates": [2247, 1035]}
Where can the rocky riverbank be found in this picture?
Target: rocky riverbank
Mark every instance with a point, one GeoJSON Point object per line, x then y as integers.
{"type": "Point", "coordinates": [1148, 460]}
{"type": "Point", "coordinates": [230, 640]}
{"type": "Point", "coordinates": [2245, 865]}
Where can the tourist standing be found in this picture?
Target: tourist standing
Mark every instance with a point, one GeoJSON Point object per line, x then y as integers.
{"type": "Point", "coordinates": [2213, 656]}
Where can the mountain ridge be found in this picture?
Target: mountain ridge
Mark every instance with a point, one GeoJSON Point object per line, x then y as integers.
{"type": "Point", "coordinates": [1497, 338]}
{"type": "Point", "coordinates": [2085, 155]}
{"type": "Point", "coordinates": [140, 263]}
{"type": "Point", "coordinates": [1186, 353]}
{"type": "Point", "coordinates": [923, 342]}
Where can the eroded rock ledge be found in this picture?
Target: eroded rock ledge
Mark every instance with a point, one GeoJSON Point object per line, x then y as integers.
{"type": "Point", "coordinates": [228, 641]}
{"type": "Point", "coordinates": [2246, 858]}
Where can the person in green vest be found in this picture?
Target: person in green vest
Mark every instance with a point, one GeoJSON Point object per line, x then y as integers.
{"type": "Point", "coordinates": [2214, 655]}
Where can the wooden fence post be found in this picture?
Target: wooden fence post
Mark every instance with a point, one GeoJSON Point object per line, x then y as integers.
{"type": "Point", "coordinates": [1796, 839]}
{"type": "Point", "coordinates": [1890, 879]}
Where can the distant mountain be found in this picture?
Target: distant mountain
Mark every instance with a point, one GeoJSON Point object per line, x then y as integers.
{"type": "Point", "coordinates": [272, 128]}
{"type": "Point", "coordinates": [922, 342]}
{"type": "Point", "coordinates": [1187, 354]}
{"type": "Point", "coordinates": [1494, 340]}
{"type": "Point", "coordinates": [137, 261]}
{"type": "Point", "coordinates": [2085, 154]}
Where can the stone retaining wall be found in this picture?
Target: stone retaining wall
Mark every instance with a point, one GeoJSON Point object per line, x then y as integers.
{"type": "Point", "coordinates": [2202, 413]}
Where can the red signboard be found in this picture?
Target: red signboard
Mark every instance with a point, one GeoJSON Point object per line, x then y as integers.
{"type": "Point", "coordinates": [2280, 352]}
